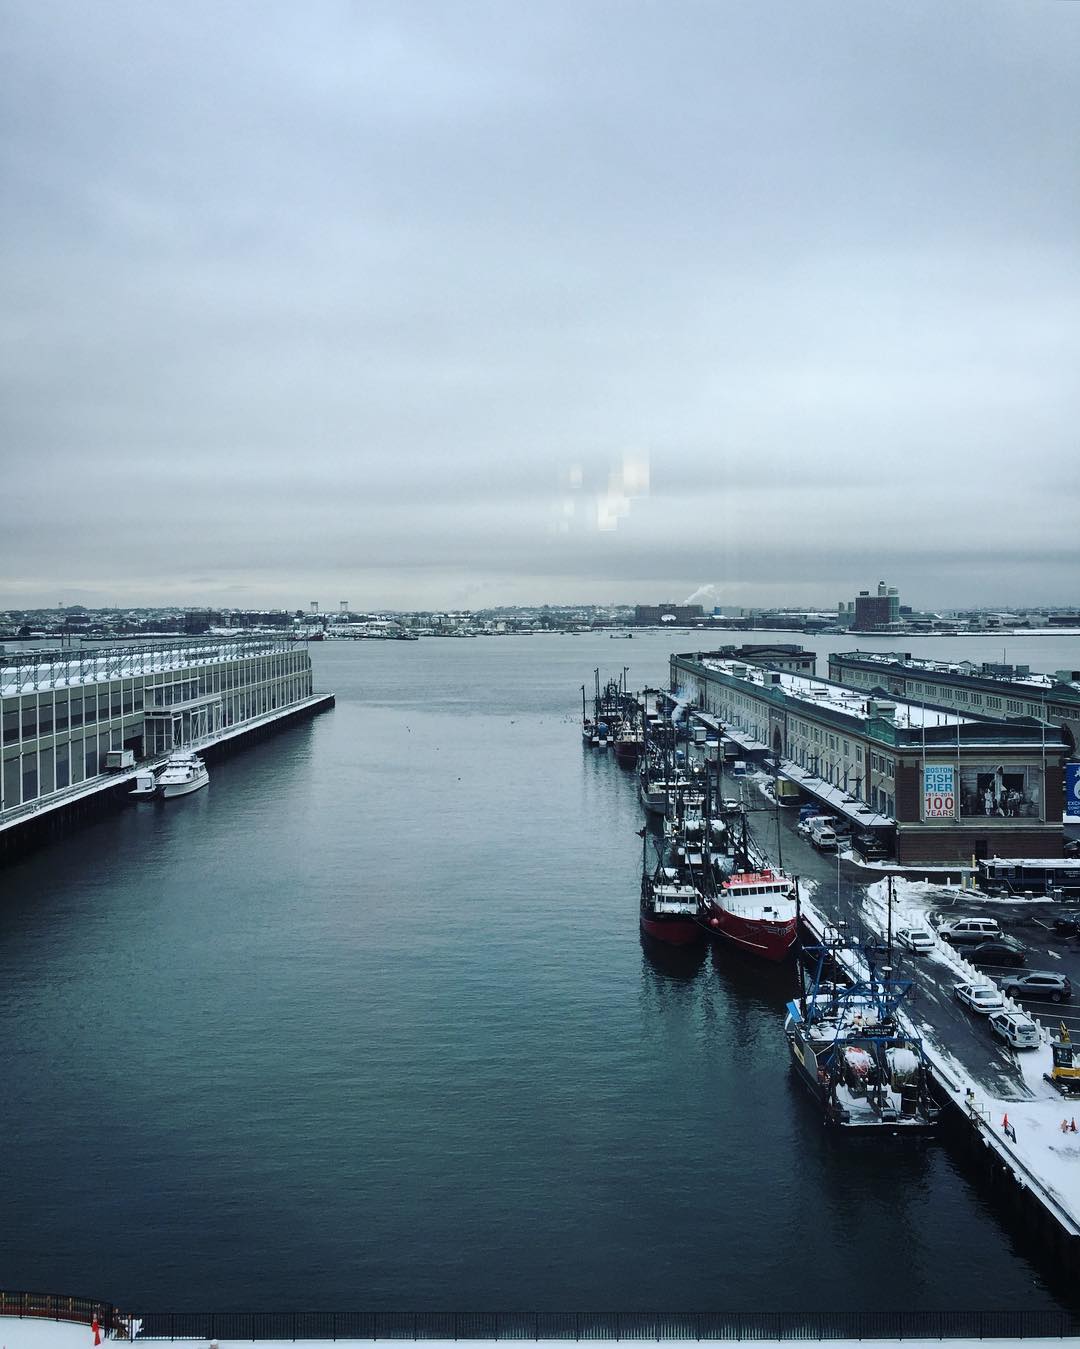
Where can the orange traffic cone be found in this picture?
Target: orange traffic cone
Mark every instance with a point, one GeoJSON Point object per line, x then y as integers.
{"type": "Point", "coordinates": [97, 1331]}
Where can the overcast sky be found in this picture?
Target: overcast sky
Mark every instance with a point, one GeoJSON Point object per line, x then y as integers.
{"type": "Point", "coordinates": [447, 303]}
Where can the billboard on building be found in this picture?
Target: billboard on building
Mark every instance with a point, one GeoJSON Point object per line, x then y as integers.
{"type": "Point", "coordinates": [1072, 789]}
{"type": "Point", "coordinates": [939, 791]}
{"type": "Point", "coordinates": [999, 791]}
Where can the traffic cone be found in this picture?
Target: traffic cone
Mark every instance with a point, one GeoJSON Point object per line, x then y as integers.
{"type": "Point", "coordinates": [97, 1331]}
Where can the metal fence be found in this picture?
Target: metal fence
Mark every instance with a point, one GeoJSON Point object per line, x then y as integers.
{"type": "Point", "coordinates": [280, 1325]}
{"type": "Point", "coordinates": [61, 1307]}
{"type": "Point", "coordinates": [876, 1325]}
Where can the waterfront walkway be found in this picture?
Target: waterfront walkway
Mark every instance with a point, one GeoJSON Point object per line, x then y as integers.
{"type": "Point", "coordinates": [34, 1334]}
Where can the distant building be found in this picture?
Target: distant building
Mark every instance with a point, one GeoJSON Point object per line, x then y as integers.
{"type": "Point", "coordinates": [649, 615]}
{"type": "Point", "coordinates": [874, 613]}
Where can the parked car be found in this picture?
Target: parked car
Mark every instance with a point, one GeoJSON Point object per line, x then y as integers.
{"type": "Point", "coordinates": [996, 951]}
{"type": "Point", "coordinates": [1042, 984]}
{"type": "Point", "coordinates": [1067, 924]}
{"type": "Point", "coordinates": [917, 939]}
{"type": "Point", "coordinates": [980, 998]}
{"type": "Point", "coordinates": [1015, 1028]}
{"type": "Point", "coordinates": [822, 835]}
{"type": "Point", "coordinates": [969, 931]}
{"type": "Point", "coordinates": [805, 821]}
{"type": "Point", "coordinates": [869, 846]}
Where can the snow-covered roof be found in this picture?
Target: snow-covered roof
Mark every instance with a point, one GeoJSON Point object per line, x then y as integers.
{"type": "Point", "coordinates": [822, 693]}
{"type": "Point", "coordinates": [965, 669]}
{"type": "Point", "coordinates": [91, 667]}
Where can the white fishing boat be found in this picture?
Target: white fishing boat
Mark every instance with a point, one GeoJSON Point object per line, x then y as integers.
{"type": "Point", "coordinates": [183, 773]}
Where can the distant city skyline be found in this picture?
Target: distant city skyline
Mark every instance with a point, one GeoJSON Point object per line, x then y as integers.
{"type": "Point", "coordinates": [438, 306]}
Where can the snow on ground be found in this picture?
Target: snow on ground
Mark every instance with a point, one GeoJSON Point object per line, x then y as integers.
{"type": "Point", "coordinates": [1045, 1152]}
{"type": "Point", "coordinates": [30, 1334]}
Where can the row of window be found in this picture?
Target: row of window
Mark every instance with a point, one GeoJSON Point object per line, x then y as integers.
{"type": "Point", "coordinates": [46, 716]}
{"type": "Point", "coordinates": [29, 776]}
{"type": "Point", "coordinates": [41, 769]}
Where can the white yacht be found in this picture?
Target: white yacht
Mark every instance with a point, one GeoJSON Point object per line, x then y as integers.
{"type": "Point", "coordinates": [184, 772]}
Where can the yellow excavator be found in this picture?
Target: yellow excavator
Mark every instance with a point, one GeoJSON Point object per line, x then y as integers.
{"type": "Point", "coordinates": [1065, 1076]}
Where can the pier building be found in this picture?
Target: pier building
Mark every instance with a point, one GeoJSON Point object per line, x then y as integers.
{"type": "Point", "coordinates": [774, 655]}
{"type": "Point", "coordinates": [948, 785]}
{"type": "Point", "coordinates": [981, 689]}
{"type": "Point", "coordinates": [64, 713]}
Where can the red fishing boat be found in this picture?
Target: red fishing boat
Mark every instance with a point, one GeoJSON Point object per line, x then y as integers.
{"type": "Point", "coordinates": [670, 901]}
{"type": "Point", "coordinates": [754, 910]}
{"type": "Point", "coordinates": [670, 910]}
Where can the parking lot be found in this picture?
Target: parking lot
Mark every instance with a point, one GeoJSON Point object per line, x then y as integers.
{"type": "Point", "coordinates": [839, 889]}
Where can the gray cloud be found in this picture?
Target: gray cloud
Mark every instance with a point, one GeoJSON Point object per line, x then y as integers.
{"type": "Point", "coordinates": [333, 295]}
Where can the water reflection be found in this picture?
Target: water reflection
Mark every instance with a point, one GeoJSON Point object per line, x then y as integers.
{"type": "Point", "coordinates": [679, 963]}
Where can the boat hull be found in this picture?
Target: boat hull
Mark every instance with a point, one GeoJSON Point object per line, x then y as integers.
{"type": "Point", "coordinates": [675, 931]}
{"type": "Point", "coordinates": [769, 941]}
{"type": "Point", "coordinates": [184, 788]}
{"type": "Point", "coordinates": [627, 753]}
{"type": "Point", "coordinates": [653, 799]}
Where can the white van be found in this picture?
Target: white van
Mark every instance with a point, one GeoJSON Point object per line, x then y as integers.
{"type": "Point", "coordinates": [822, 835]}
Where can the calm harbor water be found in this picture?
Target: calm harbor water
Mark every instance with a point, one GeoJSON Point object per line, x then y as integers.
{"type": "Point", "coordinates": [369, 1024]}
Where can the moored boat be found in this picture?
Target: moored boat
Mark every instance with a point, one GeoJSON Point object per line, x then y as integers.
{"type": "Point", "coordinates": [854, 1050]}
{"type": "Point", "coordinates": [627, 746]}
{"type": "Point", "coordinates": [669, 911]}
{"type": "Point", "coordinates": [146, 785]}
{"type": "Point", "coordinates": [184, 772]}
{"type": "Point", "coordinates": [670, 901]}
{"type": "Point", "coordinates": [756, 911]}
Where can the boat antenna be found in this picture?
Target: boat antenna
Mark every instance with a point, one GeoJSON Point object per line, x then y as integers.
{"type": "Point", "coordinates": [888, 940]}
{"type": "Point", "coordinates": [799, 947]}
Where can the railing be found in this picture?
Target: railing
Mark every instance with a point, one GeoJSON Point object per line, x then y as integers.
{"type": "Point", "coordinates": [615, 1326]}
{"type": "Point", "coordinates": [60, 1307]}
{"type": "Point", "coordinates": [281, 1325]}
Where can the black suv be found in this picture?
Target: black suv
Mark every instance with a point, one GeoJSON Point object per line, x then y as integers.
{"type": "Point", "coordinates": [1041, 984]}
{"type": "Point", "coordinates": [997, 951]}
{"type": "Point", "coordinates": [1067, 924]}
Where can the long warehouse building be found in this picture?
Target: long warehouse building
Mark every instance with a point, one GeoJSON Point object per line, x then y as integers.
{"type": "Point", "coordinates": [62, 712]}
{"type": "Point", "coordinates": [950, 786]}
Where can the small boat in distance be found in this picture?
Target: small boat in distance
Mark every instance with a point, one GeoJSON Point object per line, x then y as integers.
{"type": "Point", "coordinates": [183, 773]}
